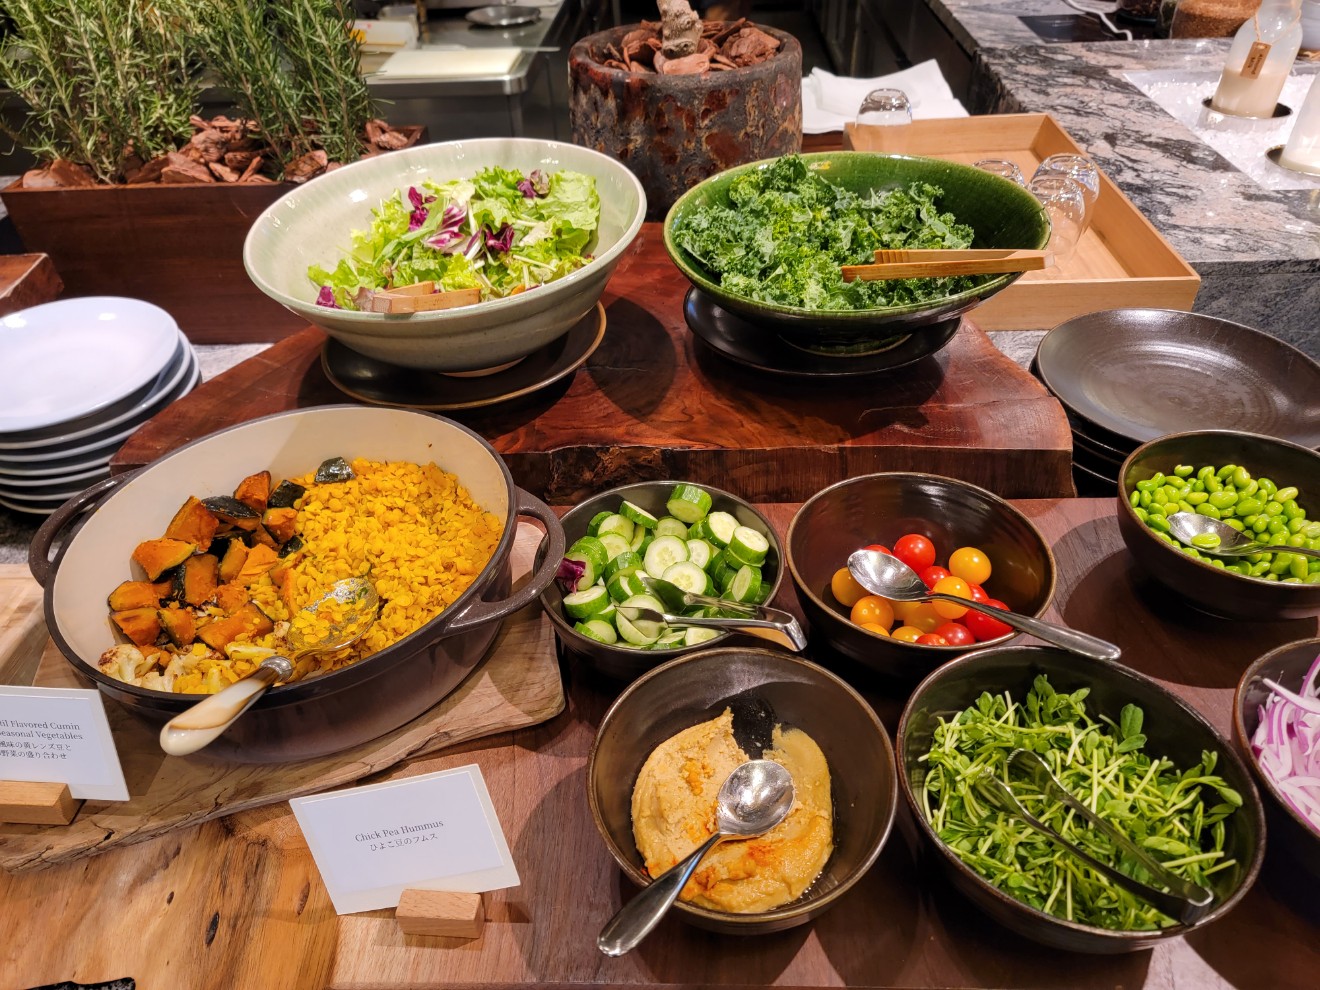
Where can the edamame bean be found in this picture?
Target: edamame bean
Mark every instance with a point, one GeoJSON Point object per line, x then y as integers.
{"type": "Point", "coordinates": [1205, 541]}
{"type": "Point", "coordinates": [1247, 506]}
{"type": "Point", "coordinates": [1183, 470]}
{"type": "Point", "coordinates": [1284, 494]}
{"type": "Point", "coordinates": [1196, 498]}
{"type": "Point", "coordinates": [1134, 499]}
{"type": "Point", "coordinates": [1207, 509]}
{"type": "Point", "coordinates": [1223, 500]}
{"type": "Point", "coordinates": [1241, 477]}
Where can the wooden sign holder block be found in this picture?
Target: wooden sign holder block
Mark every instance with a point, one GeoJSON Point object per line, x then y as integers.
{"type": "Point", "coordinates": [25, 802]}
{"type": "Point", "coordinates": [441, 913]}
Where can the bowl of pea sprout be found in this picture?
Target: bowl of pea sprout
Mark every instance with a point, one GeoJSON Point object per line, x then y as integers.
{"type": "Point", "coordinates": [1135, 754]}
{"type": "Point", "coordinates": [1262, 486]}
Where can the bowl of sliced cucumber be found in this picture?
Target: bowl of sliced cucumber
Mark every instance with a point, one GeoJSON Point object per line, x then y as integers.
{"type": "Point", "coordinates": [699, 539]}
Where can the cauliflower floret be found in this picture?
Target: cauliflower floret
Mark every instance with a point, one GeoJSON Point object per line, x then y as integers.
{"type": "Point", "coordinates": [125, 662]}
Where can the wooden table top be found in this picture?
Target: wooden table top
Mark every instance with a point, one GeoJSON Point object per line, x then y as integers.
{"type": "Point", "coordinates": [238, 903]}
{"type": "Point", "coordinates": [653, 402]}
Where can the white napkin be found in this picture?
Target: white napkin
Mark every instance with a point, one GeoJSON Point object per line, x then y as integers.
{"type": "Point", "coordinates": [830, 101]}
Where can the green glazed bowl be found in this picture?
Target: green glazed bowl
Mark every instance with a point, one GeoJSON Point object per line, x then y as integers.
{"type": "Point", "coordinates": [1003, 214]}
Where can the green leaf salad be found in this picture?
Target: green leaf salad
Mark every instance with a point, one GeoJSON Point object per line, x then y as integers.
{"type": "Point", "coordinates": [501, 232]}
{"type": "Point", "coordinates": [788, 230]}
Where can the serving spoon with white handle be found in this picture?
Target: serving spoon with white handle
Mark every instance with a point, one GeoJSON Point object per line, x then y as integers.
{"type": "Point", "coordinates": [203, 723]}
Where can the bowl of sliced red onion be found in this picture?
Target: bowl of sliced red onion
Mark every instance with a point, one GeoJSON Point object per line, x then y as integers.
{"type": "Point", "coordinates": [1276, 717]}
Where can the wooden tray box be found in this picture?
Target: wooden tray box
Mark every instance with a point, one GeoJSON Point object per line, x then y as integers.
{"type": "Point", "coordinates": [1121, 261]}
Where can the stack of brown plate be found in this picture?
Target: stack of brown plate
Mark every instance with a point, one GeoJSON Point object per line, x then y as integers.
{"type": "Point", "coordinates": [1127, 376]}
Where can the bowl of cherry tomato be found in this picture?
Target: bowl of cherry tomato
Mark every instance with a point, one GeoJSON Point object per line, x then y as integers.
{"type": "Point", "coordinates": [962, 540]}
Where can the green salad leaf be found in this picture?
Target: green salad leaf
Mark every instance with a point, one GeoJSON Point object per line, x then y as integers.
{"type": "Point", "coordinates": [788, 229]}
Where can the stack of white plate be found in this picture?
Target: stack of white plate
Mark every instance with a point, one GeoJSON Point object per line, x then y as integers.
{"type": "Point", "coordinates": [79, 376]}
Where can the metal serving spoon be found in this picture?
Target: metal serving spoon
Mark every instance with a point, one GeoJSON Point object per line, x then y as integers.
{"type": "Point", "coordinates": [756, 797]}
{"type": "Point", "coordinates": [201, 724]}
{"type": "Point", "coordinates": [1187, 526]}
{"type": "Point", "coordinates": [889, 577]}
{"type": "Point", "coordinates": [1184, 900]}
{"type": "Point", "coordinates": [767, 623]}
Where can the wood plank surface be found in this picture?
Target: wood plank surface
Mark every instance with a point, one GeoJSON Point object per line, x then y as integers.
{"type": "Point", "coordinates": [518, 685]}
{"type": "Point", "coordinates": [26, 280]}
{"type": "Point", "coordinates": [239, 904]}
{"type": "Point", "coordinates": [653, 402]}
{"type": "Point", "coordinates": [22, 626]}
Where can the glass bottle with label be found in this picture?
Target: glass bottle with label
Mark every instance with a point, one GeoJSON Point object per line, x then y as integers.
{"type": "Point", "coordinates": [1302, 152]}
{"type": "Point", "coordinates": [1259, 60]}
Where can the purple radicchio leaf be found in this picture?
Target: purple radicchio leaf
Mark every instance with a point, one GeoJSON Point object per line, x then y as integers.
{"type": "Point", "coordinates": [570, 573]}
{"type": "Point", "coordinates": [326, 297]}
{"type": "Point", "coordinates": [527, 189]}
{"type": "Point", "coordinates": [540, 182]}
{"type": "Point", "coordinates": [501, 241]}
{"type": "Point", "coordinates": [419, 210]}
{"type": "Point", "coordinates": [448, 238]}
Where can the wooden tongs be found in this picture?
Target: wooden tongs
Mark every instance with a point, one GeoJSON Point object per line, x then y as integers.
{"type": "Point", "coordinates": [902, 263]}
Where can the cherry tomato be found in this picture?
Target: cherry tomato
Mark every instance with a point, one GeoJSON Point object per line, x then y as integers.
{"type": "Point", "coordinates": [916, 551]}
{"type": "Point", "coordinates": [978, 593]}
{"type": "Point", "coordinates": [925, 618]}
{"type": "Point", "coordinates": [903, 609]}
{"type": "Point", "coordinates": [931, 575]}
{"type": "Point", "coordinates": [956, 634]}
{"type": "Point", "coordinates": [970, 564]}
{"type": "Point", "coordinates": [931, 639]}
{"type": "Point", "coordinates": [907, 634]}
{"type": "Point", "coordinates": [845, 588]}
{"type": "Point", "coordinates": [873, 609]}
{"type": "Point", "coordinates": [957, 587]}
{"type": "Point", "coordinates": [983, 627]}
{"type": "Point", "coordinates": [881, 547]}
{"type": "Point", "coordinates": [876, 628]}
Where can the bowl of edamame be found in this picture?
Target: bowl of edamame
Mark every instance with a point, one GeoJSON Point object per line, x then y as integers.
{"type": "Point", "coordinates": [1262, 486]}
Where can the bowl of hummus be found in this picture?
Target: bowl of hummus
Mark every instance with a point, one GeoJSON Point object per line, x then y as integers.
{"type": "Point", "coordinates": [671, 739]}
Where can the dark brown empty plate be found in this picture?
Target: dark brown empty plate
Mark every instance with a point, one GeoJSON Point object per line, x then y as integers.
{"type": "Point", "coordinates": [1145, 373]}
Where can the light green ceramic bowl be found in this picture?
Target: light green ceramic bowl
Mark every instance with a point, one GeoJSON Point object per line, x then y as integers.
{"type": "Point", "coordinates": [1003, 214]}
{"type": "Point", "coordinates": [311, 225]}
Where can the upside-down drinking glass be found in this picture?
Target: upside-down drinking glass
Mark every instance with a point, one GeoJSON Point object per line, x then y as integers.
{"type": "Point", "coordinates": [1003, 168]}
{"type": "Point", "coordinates": [1062, 198]}
{"type": "Point", "coordinates": [885, 107]}
{"type": "Point", "coordinates": [1081, 170]}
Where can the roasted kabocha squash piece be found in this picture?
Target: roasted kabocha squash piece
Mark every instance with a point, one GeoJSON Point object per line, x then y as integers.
{"type": "Point", "coordinates": [140, 625]}
{"type": "Point", "coordinates": [229, 598]}
{"type": "Point", "coordinates": [293, 546]}
{"type": "Point", "coordinates": [260, 559]}
{"type": "Point", "coordinates": [258, 536]}
{"type": "Point", "coordinates": [193, 523]}
{"type": "Point", "coordinates": [284, 496]}
{"type": "Point", "coordinates": [198, 578]}
{"type": "Point", "coordinates": [179, 625]}
{"type": "Point", "coordinates": [333, 469]}
{"type": "Point", "coordinates": [254, 490]}
{"type": "Point", "coordinates": [279, 523]}
{"type": "Point", "coordinates": [232, 562]}
{"type": "Point", "coordinates": [137, 594]}
{"type": "Point", "coordinates": [158, 556]}
{"type": "Point", "coordinates": [230, 510]}
{"type": "Point", "coordinates": [248, 620]}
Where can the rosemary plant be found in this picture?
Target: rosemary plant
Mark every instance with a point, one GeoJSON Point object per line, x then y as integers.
{"type": "Point", "coordinates": [105, 81]}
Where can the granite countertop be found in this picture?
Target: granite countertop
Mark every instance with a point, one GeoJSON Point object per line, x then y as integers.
{"type": "Point", "coordinates": [977, 24]}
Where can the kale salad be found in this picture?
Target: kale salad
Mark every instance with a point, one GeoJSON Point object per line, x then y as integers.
{"type": "Point", "coordinates": [788, 229]}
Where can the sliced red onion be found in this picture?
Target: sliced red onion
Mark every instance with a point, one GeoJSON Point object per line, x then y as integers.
{"type": "Point", "coordinates": [1286, 744]}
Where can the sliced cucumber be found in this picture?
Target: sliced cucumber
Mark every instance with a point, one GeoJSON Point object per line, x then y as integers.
{"type": "Point", "coordinates": [746, 585]}
{"type": "Point", "coordinates": [624, 585]}
{"type": "Point", "coordinates": [590, 569]}
{"type": "Point", "coordinates": [689, 577]}
{"type": "Point", "coordinates": [700, 530]}
{"type": "Point", "coordinates": [642, 538]}
{"type": "Point", "coordinates": [638, 515]}
{"type": "Point", "coordinates": [622, 562]}
{"type": "Point", "coordinates": [669, 526]}
{"type": "Point", "coordinates": [688, 503]}
{"type": "Point", "coordinates": [694, 635]}
{"type": "Point", "coordinates": [585, 604]}
{"type": "Point", "coordinates": [608, 614]}
{"type": "Point", "coordinates": [720, 569]}
{"type": "Point", "coordinates": [593, 527]}
{"type": "Point", "coordinates": [700, 552]}
{"type": "Point", "coordinates": [663, 553]}
{"type": "Point", "coordinates": [722, 527]}
{"type": "Point", "coordinates": [749, 546]}
{"type": "Point", "coordinates": [671, 639]}
{"type": "Point", "coordinates": [639, 633]}
{"type": "Point", "coordinates": [592, 548]}
{"type": "Point", "coordinates": [614, 544]}
{"type": "Point", "coordinates": [617, 524]}
{"type": "Point", "coordinates": [599, 630]}
{"type": "Point", "coordinates": [643, 600]}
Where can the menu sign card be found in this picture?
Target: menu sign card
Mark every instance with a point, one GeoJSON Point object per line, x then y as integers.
{"type": "Point", "coordinates": [61, 736]}
{"type": "Point", "coordinates": [438, 831]}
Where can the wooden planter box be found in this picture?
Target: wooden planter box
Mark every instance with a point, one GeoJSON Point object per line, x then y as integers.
{"type": "Point", "coordinates": [178, 246]}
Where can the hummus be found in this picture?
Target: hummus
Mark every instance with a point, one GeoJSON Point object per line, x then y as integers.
{"type": "Point", "coordinates": [673, 812]}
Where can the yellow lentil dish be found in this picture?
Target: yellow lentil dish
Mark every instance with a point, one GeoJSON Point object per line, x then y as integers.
{"type": "Point", "coordinates": [233, 574]}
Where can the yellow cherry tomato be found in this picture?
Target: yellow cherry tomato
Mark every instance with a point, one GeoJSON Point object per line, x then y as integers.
{"type": "Point", "coordinates": [957, 587]}
{"type": "Point", "coordinates": [845, 588]}
{"type": "Point", "coordinates": [873, 609]}
{"type": "Point", "coordinates": [970, 564]}
{"type": "Point", "coordinates": [925, 618]}
{"type": "Point", "coordinates": [876, 628]}
{"type": "Point", "coordinates": [903, 609]}
{"type": "Point", "coordinates": [907, 634]}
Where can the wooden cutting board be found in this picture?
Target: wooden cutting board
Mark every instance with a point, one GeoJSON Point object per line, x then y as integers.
{"type": "Point", "coordinates": [518, 685]}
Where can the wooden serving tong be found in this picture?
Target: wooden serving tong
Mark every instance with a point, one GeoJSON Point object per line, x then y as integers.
{"type": "Point", "coordinates": [923, 263]}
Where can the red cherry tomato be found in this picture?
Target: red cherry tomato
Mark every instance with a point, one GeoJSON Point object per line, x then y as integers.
{"type": "Point", "coordinates": [931, 639]}
{"type": "Point", "coordinates": [955, 634]}
{"type": "Point", "coordinates": [932, 575]}
{"type": "Point", "coordinates": [978, 593]}
{"type": "Point", "coordinates": [881, 548]}
{"type": "Point", "coordinates": [916, 551]}
{"type": "Point", "coordinates": [983, 627]}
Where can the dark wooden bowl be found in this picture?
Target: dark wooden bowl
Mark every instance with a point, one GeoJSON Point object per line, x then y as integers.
{"type": "Point", "coordinates": [623, 663]}
{"type": "Point", "coordinates": [1294, 842]}
{"type": "Point", "coordinates": [698, 687]}
{"type": "Point", "coordinates": [879, 508]}
{"type": "Point", "coordinates": [1173, 728]}
{"type": "Point", "coordinates": [1210, 588]}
